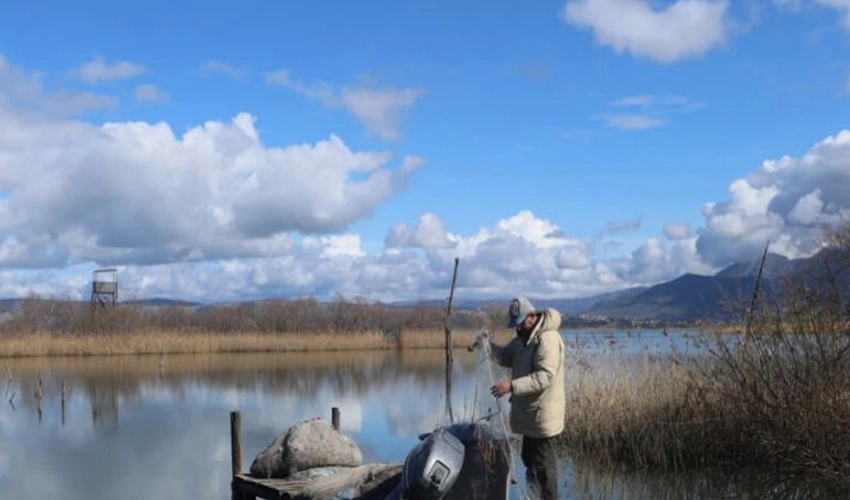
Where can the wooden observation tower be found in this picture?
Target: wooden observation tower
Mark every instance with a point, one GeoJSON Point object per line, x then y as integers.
{"type": "Point", "coordinates": [104, 288]}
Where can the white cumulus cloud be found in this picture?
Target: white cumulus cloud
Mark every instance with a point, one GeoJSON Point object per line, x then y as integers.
{"type": "Point", "coordinates": [429, 232]}
{"type": "Point", "coordinates": [681, 30]}
{"type": "Point", "coordinates": [655, 261]}
{"type": "Point", "coordinates": [136, 192]}
{"type": "Point", "coordinates": [786, 202]}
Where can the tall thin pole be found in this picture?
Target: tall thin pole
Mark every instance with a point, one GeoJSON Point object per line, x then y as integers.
{"type": "Point", "coordinates": [235, 452]}
{"type": "Point", "coordinates": [756, 290]}
{"type": "Point", "coordinates": [449, 359]}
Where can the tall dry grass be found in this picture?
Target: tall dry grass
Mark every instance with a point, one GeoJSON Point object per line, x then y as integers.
{"type": "Point", "coordinates": [727, 408]}
{"type": "Point", "coordinates": [777, 394]}
{"type": "Point", "coordinates": [637, 410]}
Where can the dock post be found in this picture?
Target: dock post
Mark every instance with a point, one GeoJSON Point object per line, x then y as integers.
{"type": "Point", "coordinates": [335, 418]}
{"type": "Point", "coordinates": [235, 452]}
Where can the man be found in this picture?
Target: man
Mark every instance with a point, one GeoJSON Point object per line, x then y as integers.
{"type": "Point", "coordinates": [536, 359]}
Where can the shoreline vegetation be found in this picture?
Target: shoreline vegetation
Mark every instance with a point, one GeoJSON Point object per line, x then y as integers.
{"type": "Point", "coordinates": [776, 395]}
{"type": "Point", "coordinates": [67, 328]}
{"type": "Point", "coordinates": [40, 344]}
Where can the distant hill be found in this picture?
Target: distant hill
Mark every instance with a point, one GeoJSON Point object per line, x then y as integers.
{"type": "Point", "coordinates": [692, 297]}
{"type": "Point", "coordinates": [582, 304]}
{"type": "Point", "coordinates": [12, 305]}
{"type": "Point", "coordinates": [160, 302]}
{"type": "Point", "coordinates": [686, 298]}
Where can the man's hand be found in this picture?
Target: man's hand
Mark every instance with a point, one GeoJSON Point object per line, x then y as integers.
{"type": "Point", "coordinates": [502, 388]}
{"type": "Point", "coordinates": [480, 339]}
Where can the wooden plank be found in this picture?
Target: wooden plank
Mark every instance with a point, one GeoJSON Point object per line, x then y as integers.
{"type": "Point", "coordinates": [383, 479]}
{"type": "Point", "coordinates": [270, 489]}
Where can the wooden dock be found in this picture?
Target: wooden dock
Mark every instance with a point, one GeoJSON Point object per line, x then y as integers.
{"type": "Point", "coordinates": [246, 487]}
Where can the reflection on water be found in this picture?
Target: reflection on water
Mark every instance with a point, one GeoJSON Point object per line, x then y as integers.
{"type": "Point", "coordinates": [157, 426]}
{"type": "Point", "coordinates": [107, 382]}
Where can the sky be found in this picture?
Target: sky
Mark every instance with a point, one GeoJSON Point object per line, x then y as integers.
{"type": "Point", "coordinates": [221, 151]}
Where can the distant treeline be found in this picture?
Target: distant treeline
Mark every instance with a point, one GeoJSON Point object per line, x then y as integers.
{"type": "Point", "coordinates": [270, 316]}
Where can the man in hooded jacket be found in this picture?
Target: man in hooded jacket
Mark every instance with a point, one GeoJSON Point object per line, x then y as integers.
{"type": "Point", "coordinates": [536, 359]}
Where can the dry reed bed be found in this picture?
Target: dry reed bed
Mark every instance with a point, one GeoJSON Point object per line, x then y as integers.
{"type": "Point", "coordinates": [177, 342]}
{"type": "Point", "coordinates": [630, 410]}
{"type": "Point", "coordinates": [778, 400]}
{"type": "Point", "coordinates": [777, 394]}
{"type": "Point", "coordinates": [180, 365]}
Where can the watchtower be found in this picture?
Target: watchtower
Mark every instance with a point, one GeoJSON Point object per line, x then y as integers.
{"type": "Point", "coordinates": [104, 288]}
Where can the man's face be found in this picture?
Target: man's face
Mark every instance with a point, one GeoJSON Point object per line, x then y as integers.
{"type": "Point", "coordinates": [527, 325]}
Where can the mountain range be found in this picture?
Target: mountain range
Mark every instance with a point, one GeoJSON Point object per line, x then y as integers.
{"type": "Point", "coordinates": [723, 296]}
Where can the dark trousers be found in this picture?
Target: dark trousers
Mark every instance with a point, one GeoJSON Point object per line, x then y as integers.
{"type": "Point", "coordinates": [541, 466]}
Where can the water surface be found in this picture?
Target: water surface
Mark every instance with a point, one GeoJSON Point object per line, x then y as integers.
{"type": "Point", "coordinates": [141, 427]}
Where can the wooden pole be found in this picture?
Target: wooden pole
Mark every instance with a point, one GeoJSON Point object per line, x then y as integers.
{"type": "Point", "coordinates": [63, 401]}
{"type": "Point", "coordinates": [235, 451]}
{"type": "Point", "coordinates": [449, 359]}
{"type": "Point", "coordinates": [39, 394]}
{"type": "Point", "coordinates": [756, 290]}
{"type": "Point", "coordinates": [335, 418]}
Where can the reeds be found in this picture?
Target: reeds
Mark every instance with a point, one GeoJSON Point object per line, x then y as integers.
{"type": "Point", "coordinates": [634, 410]}
{"type": "Point", "coordinates": [178, 342]}
{"type": "Point", "coordinates": [734, 407]}
{"type": "Point", "coordinates": [776, 395]}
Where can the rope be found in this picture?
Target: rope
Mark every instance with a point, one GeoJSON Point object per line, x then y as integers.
{"type": "Point", "coordinates": [485, 344]}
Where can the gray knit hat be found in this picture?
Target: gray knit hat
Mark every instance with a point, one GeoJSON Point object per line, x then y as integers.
{"type": "Point", "coordinates": [520, 308]}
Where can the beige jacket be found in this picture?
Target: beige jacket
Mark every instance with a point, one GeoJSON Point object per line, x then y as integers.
{"type": "Point", "coordinates": [537, 375]}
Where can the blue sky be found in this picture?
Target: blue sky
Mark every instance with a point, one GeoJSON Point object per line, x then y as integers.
{"type": "Point", "coordinates": [217, 151]}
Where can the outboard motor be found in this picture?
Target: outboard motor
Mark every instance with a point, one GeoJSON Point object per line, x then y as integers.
{"type": "Point", "coordinates": [432, 467]}
{"type": "Point", "coordinates": [464, 461]}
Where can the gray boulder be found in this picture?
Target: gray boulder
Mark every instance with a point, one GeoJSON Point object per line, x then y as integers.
{"type": "Point", "coordinates": [306, 445]}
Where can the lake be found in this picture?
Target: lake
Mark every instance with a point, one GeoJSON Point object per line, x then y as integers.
{"type": "Point", "coordinates": [142, 427]}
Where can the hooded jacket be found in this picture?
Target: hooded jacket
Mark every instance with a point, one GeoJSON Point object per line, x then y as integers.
{"type": "Point", "coordinates": [537, 375]}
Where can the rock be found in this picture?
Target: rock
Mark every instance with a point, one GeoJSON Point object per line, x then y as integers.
{"type": "Point", "coordinates": [306, 445]}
